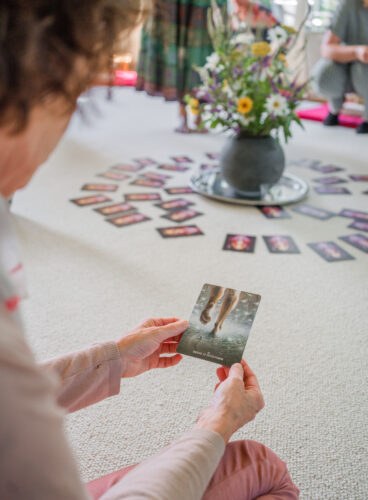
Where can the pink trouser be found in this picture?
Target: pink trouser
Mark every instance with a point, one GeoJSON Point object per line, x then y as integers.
{"type": "Point", "coordinates": [247, 471]}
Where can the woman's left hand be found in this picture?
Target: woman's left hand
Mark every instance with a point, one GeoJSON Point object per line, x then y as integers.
{"type": "Point", "coordinates": [142, 348]}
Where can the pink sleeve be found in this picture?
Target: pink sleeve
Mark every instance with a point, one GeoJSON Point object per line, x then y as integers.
{"type": "Point", "coordinates": [87, 376]}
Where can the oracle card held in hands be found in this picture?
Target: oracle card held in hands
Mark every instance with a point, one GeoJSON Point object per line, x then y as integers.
{"type": "Point", "coordinates": [220, 324]}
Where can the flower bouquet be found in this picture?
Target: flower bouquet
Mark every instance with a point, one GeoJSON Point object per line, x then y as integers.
{"type": "Point", "coordinates": [248, 88]}
{"type": "Point", "coordinates": [246, 85]}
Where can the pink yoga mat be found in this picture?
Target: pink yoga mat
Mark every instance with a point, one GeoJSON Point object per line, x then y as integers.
{"type": "Point", "coordinates": [125, 78]}
{"type": "Point", "coordinates": [320, 113]}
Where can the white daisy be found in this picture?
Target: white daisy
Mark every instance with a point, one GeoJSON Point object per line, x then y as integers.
{"type": "Point", "coordinates": [244, 120]}
{"type": "Point", "coordinates": [203, 74]}
{"type": "Point", "coordinates": [212, 61]}
{"type": "Point", "coordinates": [228, 91]}
{"type": "Point", "coordinates": [243, 38]}
{"type": "Point", "coordinates": [277, 35]}
{"type": "Point", "coordinates": [276, 104]}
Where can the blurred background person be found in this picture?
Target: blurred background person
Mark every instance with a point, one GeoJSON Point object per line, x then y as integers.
{"type": "Point", "coordinates": [344, 67]}
{"type": "Point", "coordinates": [175, 39]}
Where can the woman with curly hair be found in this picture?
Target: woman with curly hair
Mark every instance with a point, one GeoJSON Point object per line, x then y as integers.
{"type": "Point", "coordinates": [51, 51]}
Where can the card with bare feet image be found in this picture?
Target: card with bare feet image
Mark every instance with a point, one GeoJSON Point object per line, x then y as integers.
{"type": "Point", "coordinates": [220, 324]}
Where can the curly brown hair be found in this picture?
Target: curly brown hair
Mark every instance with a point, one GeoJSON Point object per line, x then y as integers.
{"type": "Point", "coordinates": [56, 48]}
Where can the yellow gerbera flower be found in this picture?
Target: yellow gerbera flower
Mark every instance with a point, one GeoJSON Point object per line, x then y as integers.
{"type": "Point", "coordinates": [194, 105]}
{"type": "Point", "coordinates": [289, 29]}
{"type": "Point", "coordinates": [260, 49]}
{"type": "Point", "coordinates": [245, 105]}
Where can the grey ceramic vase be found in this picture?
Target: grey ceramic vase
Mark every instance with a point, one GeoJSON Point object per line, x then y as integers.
{"type": "Point", "coordinates": [248, 162]}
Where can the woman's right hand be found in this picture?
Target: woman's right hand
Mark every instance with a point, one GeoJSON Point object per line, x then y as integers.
{"type": "Point", "coordinates": [236, 401]}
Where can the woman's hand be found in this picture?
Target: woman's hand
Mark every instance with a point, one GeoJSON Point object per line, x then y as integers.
{"type": "Point", "coordinates": [142, 348]}
{"type": "Point", "coordinates": [236, 401]}
{"type": "Point", "coordinates": [362, 53]}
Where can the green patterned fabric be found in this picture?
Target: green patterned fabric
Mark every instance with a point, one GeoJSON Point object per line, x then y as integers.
{"type": "Point", "coordinates": [173, 40]}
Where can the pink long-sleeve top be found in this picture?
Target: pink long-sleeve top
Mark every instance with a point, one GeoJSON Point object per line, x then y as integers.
{"type": "Point", "coordinates": [36, 462]}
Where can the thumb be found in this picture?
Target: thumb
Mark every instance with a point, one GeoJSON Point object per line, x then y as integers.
{"type": "Point", "coordinates": [172, 329]}
{"type": "Point", "coordinates": [236, 371]}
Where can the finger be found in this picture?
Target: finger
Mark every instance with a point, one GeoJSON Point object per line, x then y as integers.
{"type": "Point", "coordinates": [236, 372]}
{"type": "Point", "coordinates": [166, 321]}
{"type": "Point", "coordinates": [176, 338]}
{"type": "Point", "coordinates": [166, 362]}
{"type": "Point", "coordinates": [168, 348]}
{"type": "Point", "coordinates": [158, 321]}
{"type": "Point", "coordinates": [250, 379]}
{"type": "Point", "coordinates": [171, 329]}
{"type": "Point", "coordinates": [221, 374]}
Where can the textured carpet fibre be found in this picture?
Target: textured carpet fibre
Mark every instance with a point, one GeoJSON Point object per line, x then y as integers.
{"type": "Point", "coordinates": [89, 281]}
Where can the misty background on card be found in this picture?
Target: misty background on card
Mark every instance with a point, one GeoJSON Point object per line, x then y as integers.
{"type": "Point", "coordinates": [227, 345]}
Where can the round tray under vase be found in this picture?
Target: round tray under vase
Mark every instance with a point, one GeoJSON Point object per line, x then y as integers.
{"type": "Point", "coordinates": [289, 189]}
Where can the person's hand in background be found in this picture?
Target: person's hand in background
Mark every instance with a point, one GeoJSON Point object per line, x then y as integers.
{"type": "Point", "coordinates": [236, 401]}
{"type": "Point", "coordinates": [362, 53]}
{"type": "Point", "coordinates": [142, 348]}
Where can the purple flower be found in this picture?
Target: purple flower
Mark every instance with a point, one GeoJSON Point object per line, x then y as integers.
{"type": "Point", "coordinates": [266, 62]}
{"type": "Point", "coordinates": [273, 85]}
{"type": "Point", "coordinates": [237, 72]}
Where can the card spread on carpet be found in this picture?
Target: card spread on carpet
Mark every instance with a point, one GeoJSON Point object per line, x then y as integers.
{"type": "Point", "coordinates": [330, 251]}
{"type": "Point", "coordinates": [219, 325]}
{"type": "Point", "coordinates": [331, 190]}
{"type": "Point", "coordinates": [358, 241]}
{"type": "Point", "coordinates": [182, 215]}
{"type": "Point", "coordinates": [90, 200]}
{"type": "Point", "coordinates": [274, 212]}
{"type": "Point", "coordinates": [354, 214]}
{"type": "Point", "coordinates": [142, 196]}
{"type": "Point", "coordinates": [281, 244]}
{"type": "Point", "coordinates": [240, 243]}
{"type": "Point", "coordinates": [317, 213]}
{"type": "Point", "coordinates": [179, 231]}
{"type": "Point", "coordinates": [174, 204]}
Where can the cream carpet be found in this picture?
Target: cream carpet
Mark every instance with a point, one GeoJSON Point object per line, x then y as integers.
{"type": "Point", "coordinates": [89, 281]}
